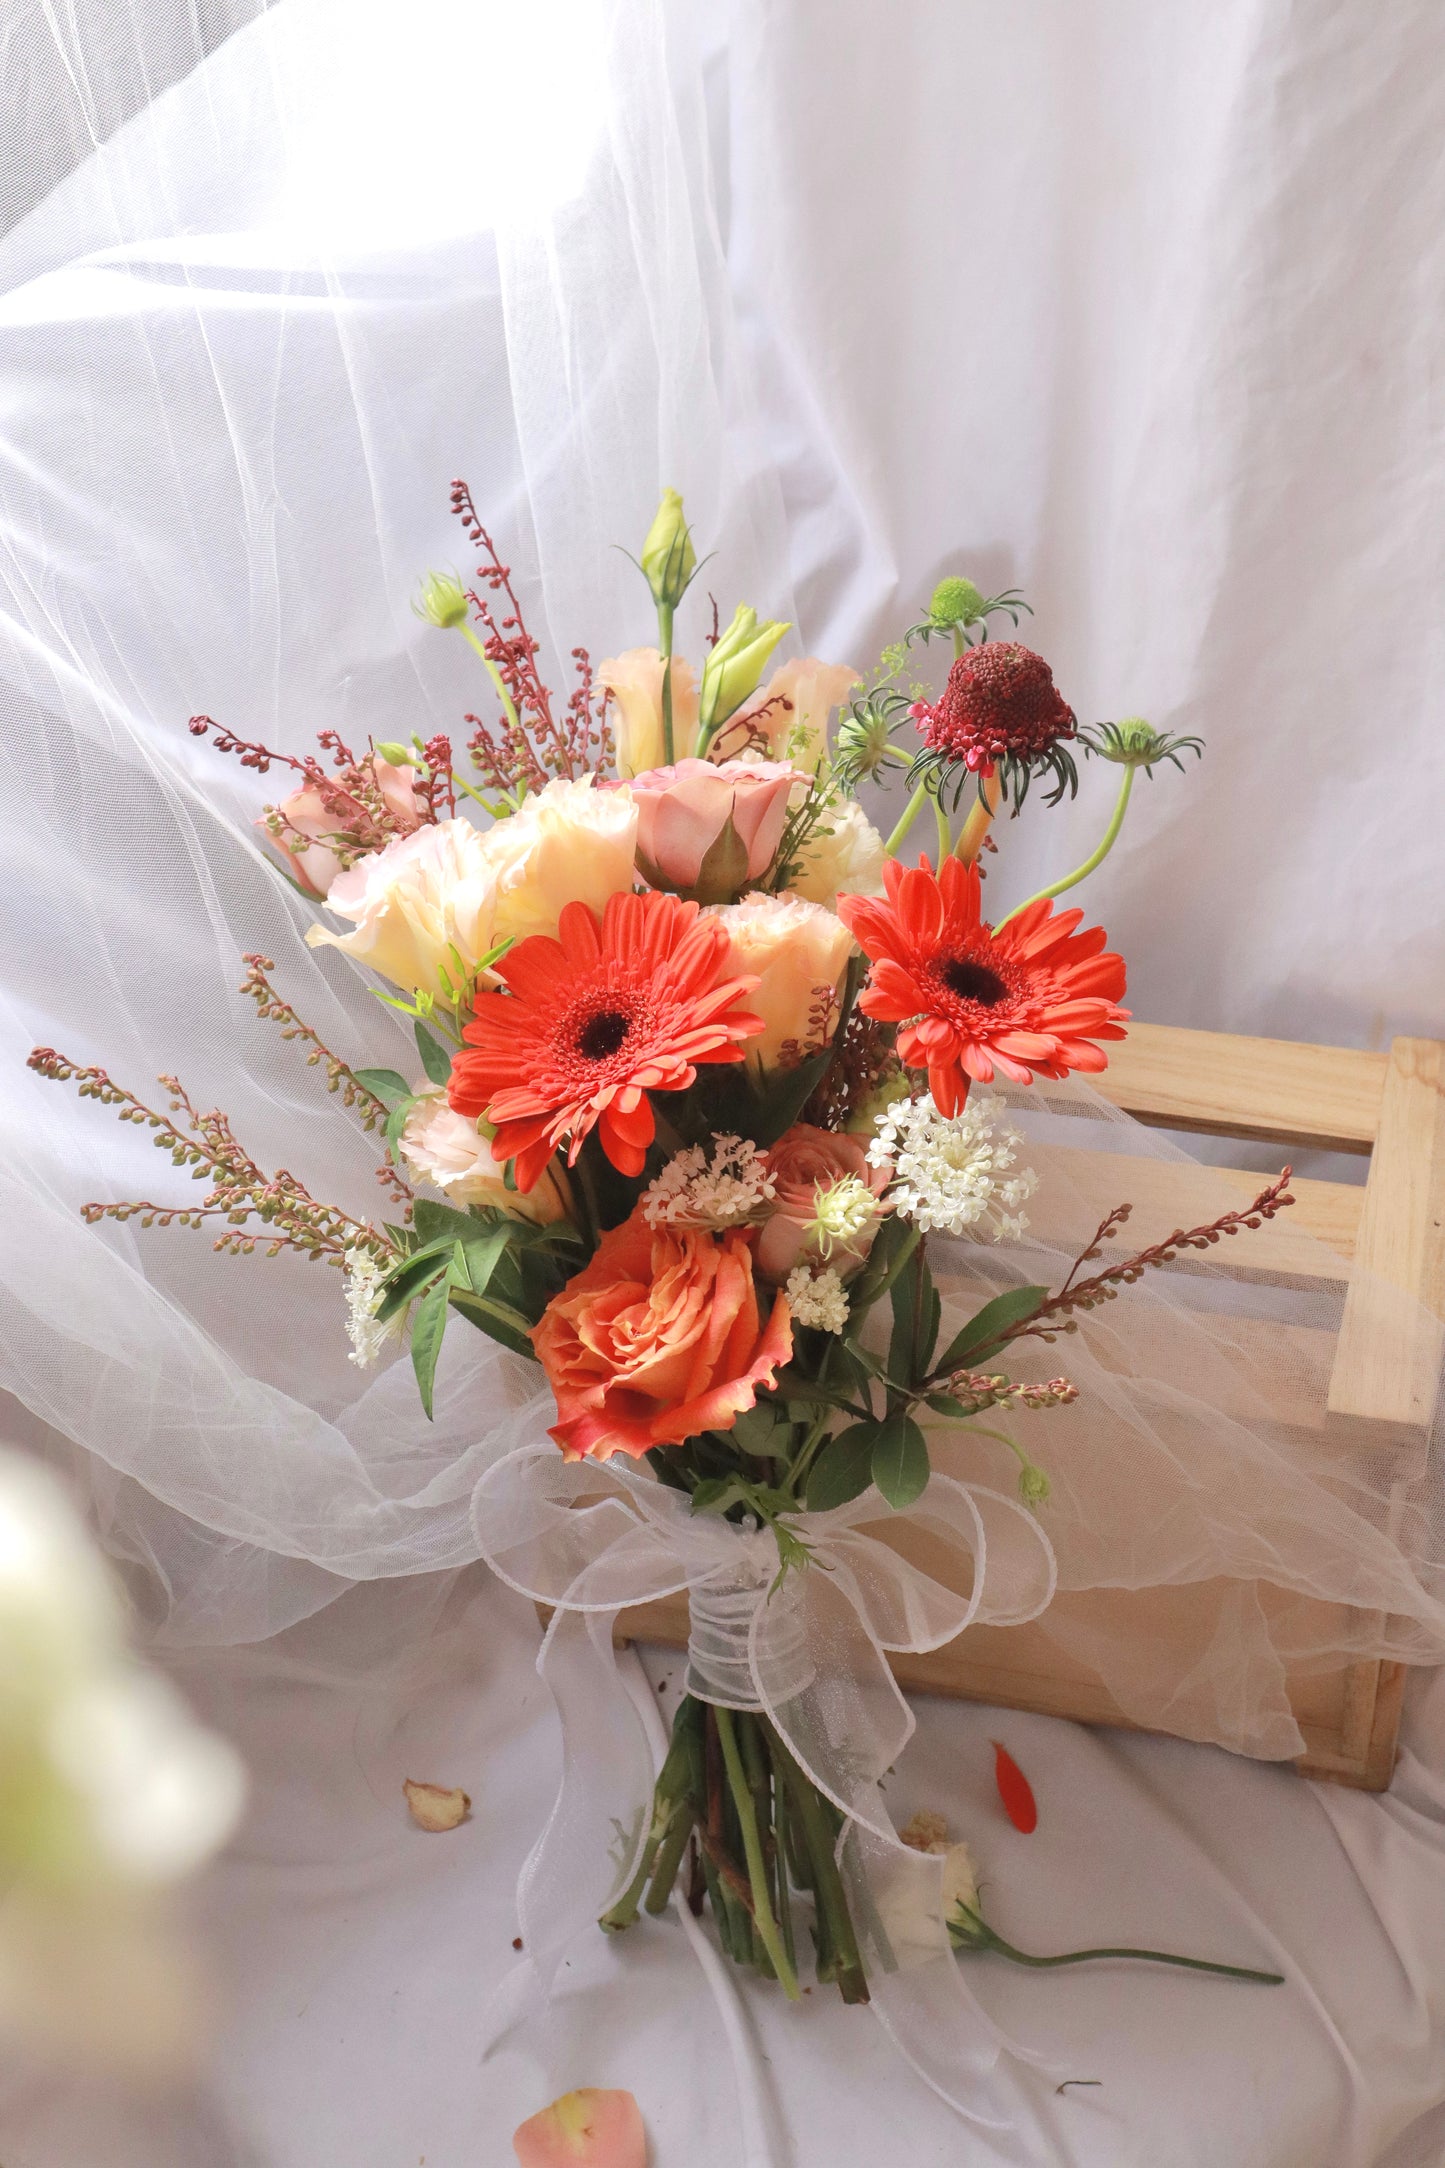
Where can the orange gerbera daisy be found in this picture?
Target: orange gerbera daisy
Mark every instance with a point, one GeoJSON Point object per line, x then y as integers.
{"type": "Point", "coordinates": [1027, 1000]}
{"type": "Point", "coordinates": [612, 1009]}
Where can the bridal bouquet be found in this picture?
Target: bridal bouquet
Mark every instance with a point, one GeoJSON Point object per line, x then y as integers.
{"type": "Point", "coordinates": [703, 1064]}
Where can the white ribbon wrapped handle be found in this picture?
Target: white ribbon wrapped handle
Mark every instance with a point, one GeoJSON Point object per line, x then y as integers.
{"type": "Point", "coordinates": [590, 1539]}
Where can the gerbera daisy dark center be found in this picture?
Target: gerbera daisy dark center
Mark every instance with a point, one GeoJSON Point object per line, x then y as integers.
{"type": "Point", "coordinates": [603, 1034]}
{"type": "Point", "coordinates": [973, 981]}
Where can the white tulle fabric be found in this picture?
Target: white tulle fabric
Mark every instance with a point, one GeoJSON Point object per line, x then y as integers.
{"type": "Point", "coordinates": [810, 1653]}
{"type": "Point", "coordinates": [265, 286]}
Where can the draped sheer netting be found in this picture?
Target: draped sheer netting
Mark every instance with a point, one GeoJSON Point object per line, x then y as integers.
{"type": "Point", "coordinates": [266, 304]}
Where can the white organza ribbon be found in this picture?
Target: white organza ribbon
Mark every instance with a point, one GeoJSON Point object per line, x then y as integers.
{"type": "Point", "coordinates": [592, 1539]}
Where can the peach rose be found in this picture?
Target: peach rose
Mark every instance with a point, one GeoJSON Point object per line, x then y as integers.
{"type": "Point", "coordinates": [798, 952]}
{"type": "Point", "coordinates": [309, 820]}
{"type": "Point", "coordinates": [684, 811]}
{"type": "Point", "coordinates": [658, 1338]}
{"type": "Point", "coordinates": [570, 842]}
{"type": "Point", "coordinates": [454, 1153]}
{"type": "Point", "coordinates": [844, 854]}
{"type": "Point", "coordinates": [792, 710]}
{"type": "Point", "coordinates": [634, 681]}
{"type": "Point", "coordinates": [825, 1202]}
{"type": "Point", "coordinates": [420, 907]}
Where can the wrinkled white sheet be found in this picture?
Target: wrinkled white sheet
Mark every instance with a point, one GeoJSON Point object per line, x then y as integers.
{"type": "Point", "coordinates": [365, 1966]}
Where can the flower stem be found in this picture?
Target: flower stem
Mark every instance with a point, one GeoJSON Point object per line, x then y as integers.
{"type": "Point", "coordinates": [835, 1923]}
{"type": "Point", "coordinates": [990, 1939]}
{"type": "Point", "coordinates": [980, 818]}
{"type": "Point", "coordinates": [664, 641]}
{"type": "Point", "coordinates": [910, 814]}
{"type": "Point", "coordinates": [767, 1926]}
{"type": "Point", "coordinates": [945, 833]}
{"type": "Point", "coordinates": [493, 673]}
{"type": "Point", "coordinates": [1095, 858]}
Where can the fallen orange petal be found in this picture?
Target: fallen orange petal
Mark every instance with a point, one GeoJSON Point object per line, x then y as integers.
{"type": "Point", "coordinates": [591, 2128]}
{"type": "Point", "coordinates": [434, 1807]}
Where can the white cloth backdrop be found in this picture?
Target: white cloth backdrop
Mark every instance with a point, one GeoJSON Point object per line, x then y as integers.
{"type": "Point", "coordinates": [1134, 307]}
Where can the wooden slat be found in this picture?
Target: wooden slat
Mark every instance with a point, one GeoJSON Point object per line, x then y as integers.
{"type": "Point", "coordinates": [1220, 1085]}
{"type": "Point", "coordinates": [1387, 1364]}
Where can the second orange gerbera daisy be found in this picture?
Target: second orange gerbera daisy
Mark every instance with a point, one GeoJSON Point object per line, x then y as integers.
{"type": "Point", "coordinates": [1026, 1000]}
{"type": "Point", "coordinates": [595, 1020]}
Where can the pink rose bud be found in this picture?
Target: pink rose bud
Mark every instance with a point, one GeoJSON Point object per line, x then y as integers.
{"type": "Point", "coordinates": [587, 2129]}
{"type": "Point", "coordinates": [314, 819]}
{"type": "Point", "coordinates": [827, 1202]}
{"type": "Point", "coordinates": [709, 832]}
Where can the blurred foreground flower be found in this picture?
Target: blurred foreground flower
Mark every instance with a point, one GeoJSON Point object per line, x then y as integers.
{"type": "Point", "coordinates": [591, 2128]}
{"type": "Point", "coordinates": [108, 1793]}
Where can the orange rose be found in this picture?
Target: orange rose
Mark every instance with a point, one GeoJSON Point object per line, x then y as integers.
{"type": "Point", "coordinates": [658, 1338]}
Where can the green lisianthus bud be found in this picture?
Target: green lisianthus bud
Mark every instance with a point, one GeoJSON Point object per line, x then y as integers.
{"type": "Point", "coordinates": [731, 673]}
{"type": "Point", "coordinates": [442, 600]}
{"type": "Point", "coordinates": [1034, 1487]}
{"type": "Point", "coordinates": [668, 557]}
{"type": "Point", "coordinates": [400, 756]}
{"type": "Point", "coordinates": [956, 602]}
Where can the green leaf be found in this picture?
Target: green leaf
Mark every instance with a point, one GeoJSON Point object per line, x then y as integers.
{"type": "Point", "coordinates": [723, 874]}
{"type": "Point", "coordinates": [716, 1494]}
{"type": "Point", "coordinates": [427, 1328]}
{"type": "Point", "coordinates": [786, 1094]}
{"type": "Point", "coordinates": [481, 1254]}
{"type": "Point", "coordinates": [758, 1431]}
{"type": "Point", "coordinates": [435, 1059]}
{"type": "Point", "coordinates": [497, 1319]}
{"type": "Point", "coordinates": [945, 1404]}
{"type": "Point", "coordinates": [916, 1313]}
{"type": "Point", "coordinates": [793, 1386]}
{"type": "Point", "coordinates": [844, 1468]}
{"type": "Point", "coordinates": [405, 1282]}
{"type": "Point", "coordinates": [888, 1244]}
{"type": "Point", "coordinates": [980, 1339]}
{"type": "Point", "coordinates": [900, 1461]}
{"type": "Point", "coordinates": [385, 1085]}
{"type": "Point", "coordinates": [395, 1123]}
{"type": "Point", "coordinates": [443, 1222]}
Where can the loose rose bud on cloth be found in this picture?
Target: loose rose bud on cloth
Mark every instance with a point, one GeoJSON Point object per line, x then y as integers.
{"type": "Point", "coordinates": [436, 1806]}
{"type": "Point", "coordinates": [591, 2128]}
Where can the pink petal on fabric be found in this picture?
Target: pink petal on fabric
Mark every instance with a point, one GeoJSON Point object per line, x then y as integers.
{"type": "Point", "coordinates": [591, 2128]}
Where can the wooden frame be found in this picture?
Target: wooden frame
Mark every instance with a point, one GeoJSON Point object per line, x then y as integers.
{"type": "Point", "coordinates": [1391, 1231]}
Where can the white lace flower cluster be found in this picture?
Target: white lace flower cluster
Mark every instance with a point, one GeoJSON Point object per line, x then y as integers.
{"type": "Point", "coordinates": [729, 1187]}
{"type": "Point", "coordinates": [363, 1294]}
{"type": "Point", "coordinates": [955, 1171]}
{"type": "Point", "coordinates": [817, 1299]}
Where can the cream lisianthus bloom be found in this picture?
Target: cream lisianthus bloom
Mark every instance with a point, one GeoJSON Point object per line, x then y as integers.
{"type": "Point", "coordinates": [634, 680]}
{"type": "Point", "coordinates": [454, 1153]}
{"type": "Point", "coordinates": [799, 953]}
{"type": "Point", "coordinates": [110, 1791]}
{"type": "Point", "coordinates": [418, 907]}
{"type": "Point", "coordinates": [571, 842]}
{"type": "Point", "coordinates": [793, 708]}
{"type": "Point", "coordinates": [844, 855]}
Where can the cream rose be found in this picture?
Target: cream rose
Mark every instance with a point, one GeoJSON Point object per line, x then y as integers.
{"type": "Point", "coordinates": [417, 906]}
{"type": "Point", "coordinates": [799, 953]}
{"type": "Point", "coordinates": [453, 1153]}
{"type": "Point", "coordinates": [634, 681]}
{"type": "Point", "coordinates": [570, 843]}
{"type": "Point", "coordinates": [797, 731]}
{"type": "Point", "coordinates": [845, 854]}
